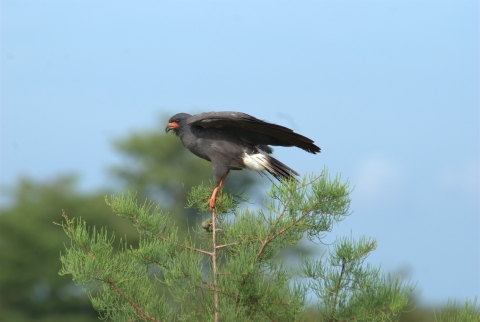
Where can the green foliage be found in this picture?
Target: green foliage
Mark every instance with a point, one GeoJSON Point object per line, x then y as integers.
{"type": "Point", "coordinates": [93, 263]}
{"type": "Point", "coordinates": [229, 269]}
{"type": "Point", "coordinates": [347, 288]}
{"type": "Point", "coordinates": [226, 203]}
{"type": "Point", "coordinates": [30, 287]}
{"type": "Point", "coordinates": [454, 312]}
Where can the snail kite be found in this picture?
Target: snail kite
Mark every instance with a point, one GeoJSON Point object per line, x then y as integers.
{"type": "Point", "coordinates": [234, 141]}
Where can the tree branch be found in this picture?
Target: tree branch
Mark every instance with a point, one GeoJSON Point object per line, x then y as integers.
{"type": "Point", "coordinates": [214, 266]}
{"type": "Point", "coordinates": [135, 306]}
{"type": "Point", "coordinates": [337, 289]}
{"type": "Point", "coordinates": [146, 228]}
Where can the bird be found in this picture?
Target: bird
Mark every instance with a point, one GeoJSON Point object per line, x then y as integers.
{"type": "Point", "coordinates": [235, 141]}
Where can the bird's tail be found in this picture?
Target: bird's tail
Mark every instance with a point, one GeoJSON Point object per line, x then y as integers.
{"type": "Point", "coordinates": [279, 170]}
{"type": "Point", "coordinates": [260, 162]}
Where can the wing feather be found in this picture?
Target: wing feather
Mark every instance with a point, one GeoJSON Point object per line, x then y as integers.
{"type": "Point", "coordinates": [253, 130]}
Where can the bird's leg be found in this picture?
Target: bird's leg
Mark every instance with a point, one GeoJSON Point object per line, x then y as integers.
{"type": "Point", "coordinates": [211, 202]}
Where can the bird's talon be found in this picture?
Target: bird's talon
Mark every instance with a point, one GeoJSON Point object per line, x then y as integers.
{"type": "Point", "coordinates": [211, 203]}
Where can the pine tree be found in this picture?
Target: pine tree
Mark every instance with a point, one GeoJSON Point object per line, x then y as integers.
{"type": "Point", "coordinates": [227, 268]}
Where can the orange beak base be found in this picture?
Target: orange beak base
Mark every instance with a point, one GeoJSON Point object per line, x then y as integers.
{"type": "Point", "coordinates": [171, 126]}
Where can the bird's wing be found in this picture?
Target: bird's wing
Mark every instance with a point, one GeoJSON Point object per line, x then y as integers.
{"type": "Point", "coordinates": [253, 130]}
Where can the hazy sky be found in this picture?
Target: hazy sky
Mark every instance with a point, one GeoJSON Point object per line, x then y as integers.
{"type": "Point", "coordinates": [388, 89]}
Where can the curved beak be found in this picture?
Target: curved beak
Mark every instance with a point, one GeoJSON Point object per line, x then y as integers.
{"type": "Point", "coordinates": [171, 126]}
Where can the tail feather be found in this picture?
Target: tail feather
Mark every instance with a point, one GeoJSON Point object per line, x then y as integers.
{"type": "Point", "coordinates": [260, 162]}
{"type": "Point", "coordinates": [280, 170]}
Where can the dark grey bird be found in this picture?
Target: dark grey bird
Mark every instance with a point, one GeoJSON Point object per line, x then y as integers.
{"type": "Point", "coordinates": [235, 141]}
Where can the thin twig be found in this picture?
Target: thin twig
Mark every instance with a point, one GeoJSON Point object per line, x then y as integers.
{"type": "Point", "coordinates": [354, 318]}
{"type": "Point", "coordinates": [214, 266]}
{"type": "Point", "coordinates": [337, 289]}
{"type": "Point", "coordinates": [72, 234]}
{"type": "Point", "coordinates": [135, 219]}
{"type": "Point", "coordinates": [109, 280]}
{"type": "Point", "coordinates": [226, 245]}
{"type": "Point", "coordinates": [269, 317]}
{"type": "Point", "coordinates": [269, 238]}
{"type": "Point", "coordinates": [135, 306]}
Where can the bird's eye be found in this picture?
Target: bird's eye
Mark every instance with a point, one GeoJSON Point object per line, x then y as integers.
{"type": "Point", "coordinates": [177, 121]}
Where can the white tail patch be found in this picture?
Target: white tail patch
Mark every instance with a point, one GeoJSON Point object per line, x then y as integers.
{"type": "Point", "coordinates": [257, 162]}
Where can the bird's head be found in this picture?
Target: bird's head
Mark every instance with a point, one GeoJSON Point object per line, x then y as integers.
{"type": "Point", "coordinates": [176, 122]}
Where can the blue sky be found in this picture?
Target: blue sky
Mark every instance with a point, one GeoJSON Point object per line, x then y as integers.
{"type": "Point", "coordinates": [388, 89]}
